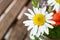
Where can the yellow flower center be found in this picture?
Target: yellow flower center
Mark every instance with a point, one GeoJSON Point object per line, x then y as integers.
{"type": "Point", "coordinates": [58, 1]}
{"type": "Point", "coordinates": [39, 19]}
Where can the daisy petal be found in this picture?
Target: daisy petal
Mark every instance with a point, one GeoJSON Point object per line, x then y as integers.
{"type": "Point", "coordinates": [49, 2]}
{"type": "Point", "coordinates": [41, 30]}
{"type": "Point", "coordinates": [28, 22]}
{"type": "Point", "coordinates": [29, 15]}
{"type": "Point", "coordinates": [36, 10]}
{"type": "Point", "coordinates": [48, 18]}
{"type": "Point", "coordinates": [46, 13]}
{"type": "Point", "coordinates": [47, 31]}
{"type": "Point", "coordinates": [50, 21]}
{"type": "Point", "coordinates": [50, 14]}
{"type": "Point", "coordinates": [38, 33]}
{"type": "Point", "coordinates": [33, 32]}
{"type": "Point", "coordinates": [32, 13]}
{"type": "Point", "coordinates": [30, 27]}
{"type": "Point", "coordinates": [31, 36]}
{"type": "Point", "coordinates": [56, 7]}
{"type": "Point", "coordinates": [43, 10]}
{"type": "Point", "coordinates": [48, 25]}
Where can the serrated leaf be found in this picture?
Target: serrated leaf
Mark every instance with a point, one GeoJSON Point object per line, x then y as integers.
{"type": "Point", "coordinates": [34, 3]}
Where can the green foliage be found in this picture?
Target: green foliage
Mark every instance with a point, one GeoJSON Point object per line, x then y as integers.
{"type": "Point", "coordinates": [36, 38]}
{"type": "Point", "coordinates": [52, 7]}
{"type": "Point", "coordinates": [54, 33]}
{"type": "Point", "coordinates": [34, 3]}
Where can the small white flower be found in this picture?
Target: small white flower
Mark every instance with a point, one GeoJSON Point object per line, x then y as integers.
{"type": "Point", "coordinates": [39, 21]}
{"type": "Point", "coordinates": [56, 4]}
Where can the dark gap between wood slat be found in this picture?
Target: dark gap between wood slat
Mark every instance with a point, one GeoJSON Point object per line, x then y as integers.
{"type": "Point", "coordinates": [9, 29]}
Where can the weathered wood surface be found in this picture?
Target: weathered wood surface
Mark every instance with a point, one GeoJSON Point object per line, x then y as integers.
{"type": "Point", "coordinates": [10, 17]}
{"type": "Point", "coordinates": [8, 9]}
{"type": "Point", "coordinates": [19, 31]}
{"type": "Point", "coordinates": [4, 4]}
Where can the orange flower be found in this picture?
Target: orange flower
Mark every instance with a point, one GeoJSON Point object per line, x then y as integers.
{"type": "Point", "coordinates": [56, 18]}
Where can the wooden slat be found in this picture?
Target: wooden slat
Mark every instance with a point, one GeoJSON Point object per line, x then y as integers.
{"type": "Point", "coordinates": [4, 4]}
{"type": "Point", "coordinates": [9, 18]}
{"type": "Point", "coordinates": [8, 9]}
{"type": "Point", "coordinates": [19, 31]}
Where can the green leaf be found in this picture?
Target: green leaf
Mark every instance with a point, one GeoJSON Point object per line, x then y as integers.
{"type": "Point", "coordinates": [54, 33]}
{"type": "Point", "coordinates": [34, 3]}
{"type": "Point", "coordinates": [36, 38]}
{"type": "Point", "coordinates": [52, 7]}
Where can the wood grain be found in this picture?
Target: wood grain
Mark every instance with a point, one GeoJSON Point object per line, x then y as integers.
{"type": "Point", "coordinates": [19, 31]}
{"type": "Point", "coordinates": [10, 17]}
{"type": "Point", "coordinates": [4, 4]}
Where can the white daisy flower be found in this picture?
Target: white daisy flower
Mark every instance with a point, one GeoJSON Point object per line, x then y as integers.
{"type": "Point", "coordinates": [39, 21]}
{"type": "Point", "coordinates": [56, 4]}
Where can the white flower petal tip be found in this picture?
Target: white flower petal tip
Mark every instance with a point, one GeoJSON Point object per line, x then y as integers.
{"type": "Point", "coordinates": [31, 12]}
{"type": "Point", "coordinates": [51, 13]}
{"type": "Point", "coordinates": [53, 22]}
{"type": "Point", "coordinates": [47, 31]}
{"type": "Point", "coordinates": [32, 37]}
{"type": "Point", "coordinates": [29, 15]}
{"type": "Point", "coordinates": [44, 8]}
{"type": "Point", "coordinates": [29, 28]}
{"type": "Point", "coordinates": [25, 23]}
{"type": "Point", "coordinates": [26, 14]}
{"type": "Point", "coordinates": [50, 21]}
{"type": "Point", "coordinates": [49, 18]}
{"type": "Point", "coordinates": [49, 26]}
